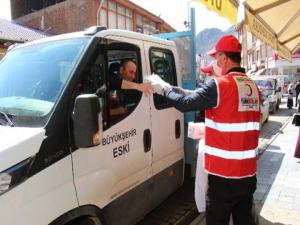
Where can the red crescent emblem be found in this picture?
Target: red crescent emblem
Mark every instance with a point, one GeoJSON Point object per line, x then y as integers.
{"type": "Point", "coordinates": [249, 93]}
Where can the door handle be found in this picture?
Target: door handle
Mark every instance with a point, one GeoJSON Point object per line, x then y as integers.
{"type": "Point", "coordinates": [177, 129]}
{"type": "Point", "coordinates": [147, 140]}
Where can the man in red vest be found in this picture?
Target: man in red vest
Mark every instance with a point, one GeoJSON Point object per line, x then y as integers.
{"type": "Point", "coordinates": [232, 113]}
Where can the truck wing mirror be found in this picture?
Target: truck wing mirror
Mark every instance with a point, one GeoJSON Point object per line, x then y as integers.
{"type": "Point", "coordinates": [85, 120]}
{"type": "Point", "coordinates": [100, 92]}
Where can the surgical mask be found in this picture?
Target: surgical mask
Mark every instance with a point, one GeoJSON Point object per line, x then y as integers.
{"type": "Point", "coordinates": [217, 69]}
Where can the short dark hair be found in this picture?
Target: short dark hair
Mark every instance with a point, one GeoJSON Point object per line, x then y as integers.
{"type": "Point", "coordinates": [125, 61]}
{"type": "Point", "coordinates": [234, 56]}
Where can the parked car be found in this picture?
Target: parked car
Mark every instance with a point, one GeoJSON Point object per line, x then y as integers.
{"type": "Point", "coordinates": [264, 110]}
{"type": "Point", "coordinates": [270, 87]}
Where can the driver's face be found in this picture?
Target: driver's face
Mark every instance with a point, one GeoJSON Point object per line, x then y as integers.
{"type": "Point", "coordinates": [128, 71]}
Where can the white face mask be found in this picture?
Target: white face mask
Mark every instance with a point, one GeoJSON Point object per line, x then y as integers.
{"type": "Point", "coordinates": [217, 69]}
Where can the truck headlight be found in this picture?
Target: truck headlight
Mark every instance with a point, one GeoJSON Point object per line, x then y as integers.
{"type": "Point", "coordinates": [5, 180]}
{"type": "Point", "coordinates": [14, 175]}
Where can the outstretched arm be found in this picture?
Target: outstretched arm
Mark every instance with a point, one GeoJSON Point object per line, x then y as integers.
{"type": "Point", "coordinates": [198, 100]}
{"type": "Point", "coordinates": [142, 87]}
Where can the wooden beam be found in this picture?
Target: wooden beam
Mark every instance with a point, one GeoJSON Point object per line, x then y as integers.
{"type": "Point", "coordinates": [270, 6]}
{"type": "Point", "coordinates": [287, 25]}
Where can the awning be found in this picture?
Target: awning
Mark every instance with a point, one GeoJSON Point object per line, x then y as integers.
{"type": "Point", "coordinates": [275, 22]}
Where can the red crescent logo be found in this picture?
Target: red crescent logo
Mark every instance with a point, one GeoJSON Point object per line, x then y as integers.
{"type": "Point", "coordinates": [249, 93]}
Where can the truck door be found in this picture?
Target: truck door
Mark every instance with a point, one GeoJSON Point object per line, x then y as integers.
{"type": "Point", "coordinates": [114, 173]}
{"type": "Point", "coordinates": [166, 126]}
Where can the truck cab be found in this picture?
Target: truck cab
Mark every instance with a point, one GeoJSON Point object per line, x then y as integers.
{"type": "Point", "coordinates": [64, 160]}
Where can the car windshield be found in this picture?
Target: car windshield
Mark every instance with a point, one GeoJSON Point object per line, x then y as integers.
{"type": "Point", "coordinates": [264, 84]}
{"type": "Point", "coordinates": [32, 79]}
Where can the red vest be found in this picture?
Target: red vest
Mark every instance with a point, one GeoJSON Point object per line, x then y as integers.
{"type": "Point", "coordinates": [232, 128]}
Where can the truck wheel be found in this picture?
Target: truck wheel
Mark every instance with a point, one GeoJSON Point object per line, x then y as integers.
{"type": "Point", "coordinates": [273, 109]}
{"type": "Point", "coordinates": [267, 119]}
{"type": "Point", "coordinates": [87, 221]}
{"type": "Point", "coordinates": [277, 105]}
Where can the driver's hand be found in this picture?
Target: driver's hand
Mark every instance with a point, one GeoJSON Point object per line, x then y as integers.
{"type": "Point", "coordinates": [145, 88]}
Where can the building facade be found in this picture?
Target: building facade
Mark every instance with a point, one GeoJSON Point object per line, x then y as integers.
{"type": "Point", "coordinates": [256, 56]}
{"type": "Point", "coordinates": [63, 16]}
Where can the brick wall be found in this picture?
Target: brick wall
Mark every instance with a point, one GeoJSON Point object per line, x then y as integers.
{"type": "Point", "coordinates": [64, 17]}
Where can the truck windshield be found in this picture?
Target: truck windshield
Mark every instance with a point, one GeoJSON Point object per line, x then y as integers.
{"type": "Point", "coordinates": [32, 79]}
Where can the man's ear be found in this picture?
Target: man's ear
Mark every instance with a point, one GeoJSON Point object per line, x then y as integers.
{"type": "Point", "coordinates": [121, 70]}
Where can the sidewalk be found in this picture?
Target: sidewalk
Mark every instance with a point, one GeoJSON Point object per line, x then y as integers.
{"type": "Point", "coordinates": [277, 197]}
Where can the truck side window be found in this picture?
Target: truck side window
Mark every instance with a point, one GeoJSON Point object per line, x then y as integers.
{"type": "Point", "coordinates": [162, 63]}
{"type": "Point", "coordinates": [122, 102]}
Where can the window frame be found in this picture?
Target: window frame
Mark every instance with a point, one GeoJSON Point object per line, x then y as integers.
{"type": "Point", "coordinates": [116, 14]}
{"type": "Point", "coordinates": [160, 102]}
{"type": "Point", "coordinates": [139, 77]}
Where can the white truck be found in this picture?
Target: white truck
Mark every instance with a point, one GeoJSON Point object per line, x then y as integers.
{"type": "Point", "coordinates": [63, 159]}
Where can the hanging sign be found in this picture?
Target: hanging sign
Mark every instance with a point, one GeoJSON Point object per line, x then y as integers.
{"type": "Point", "coordinates": [225, 8]}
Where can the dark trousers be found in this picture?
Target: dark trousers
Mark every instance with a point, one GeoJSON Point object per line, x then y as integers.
{"type": "Point", "coordinates": [230, 196]}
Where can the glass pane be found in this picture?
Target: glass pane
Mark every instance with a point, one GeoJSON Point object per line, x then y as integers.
{"type": "Point", "coordinates": [163, 65]}
{"type": "Point", "coordinates": [103, 18]}
{"type": "Point", "coordinates": [112, 5]}
{"type": "Point", "coordinates": [104, 4]}
{"type": "Point", "coordinates": [152, 28]}
{"type": "Point", "coordinates": [139, 20]}
{"type": "Point", "coordinates": [121, 22]}
{"type": "Point", "coordinates": [112, 20]}
{"type": "Point", "coordinates": [33, 77]}
{"type": "Point", "coordinates": [121, 10]}
{"type": "Point", "coordinates": [129, 13]}
{"type": "Point", "coordinates": [139, 23]}
{"type": "Point", "coordinates": [146, 26]}
{"type": "Point", "coordinates": [183, 45]}
{"type": "Point", "coordinates": [129, 24]}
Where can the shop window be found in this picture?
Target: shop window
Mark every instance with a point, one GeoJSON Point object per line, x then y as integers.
{"type": "Point", "coordinates": [112, 6]}
{"type": "Point", "coordinates": [103, 17]}
{"type": "Point", "coordinates": [112, 23]}
{"type": "Point", "coordinates": [121, 10]}
{"type": "Point", "coordinates": [129, 24]}
{"type": "Point", "coordinates": [146, 26]}
{"type": "Point", "coordinates": [118, 17]}
{"type": "Point", "coordinates": [121, 22]}
{"type": "Point", "coordinates": [129, 13]}
{"type": "Point", "coordinates": [139, 23]}
{"type": "Point", "coordinates": [152, 28]}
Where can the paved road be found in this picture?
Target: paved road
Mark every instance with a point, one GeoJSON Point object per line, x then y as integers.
{"type": "Point", "coordinates": [180, 208]}
{"type": "Point", "coordinates": [274, 124]}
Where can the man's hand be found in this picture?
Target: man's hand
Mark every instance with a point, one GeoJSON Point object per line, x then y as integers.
{"type": "Point", "coordinates": [118, 111]}
{"type": "Point", "coordinates": [157, 83]}
{"type": "Point", "coordinates": [145, 88]}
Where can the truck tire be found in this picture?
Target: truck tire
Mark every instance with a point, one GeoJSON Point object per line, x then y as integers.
{"type": "Point", "coordinates": [278, 103]}
{"type": "Point", "coordinates": [272, 111]}
{"type": "Point", "coordinates": [87, 221]}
